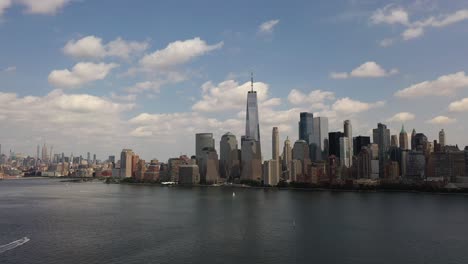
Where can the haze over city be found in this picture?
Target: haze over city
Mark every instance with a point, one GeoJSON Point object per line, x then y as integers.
{"type": "Point", "coordinates": [150, 76]}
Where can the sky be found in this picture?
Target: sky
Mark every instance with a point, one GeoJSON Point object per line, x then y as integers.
{"type": "Point", "coordinates": [100, 76]}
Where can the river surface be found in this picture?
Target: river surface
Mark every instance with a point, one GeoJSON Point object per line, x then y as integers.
{"type": "Point", "coordinates": [99, 223]}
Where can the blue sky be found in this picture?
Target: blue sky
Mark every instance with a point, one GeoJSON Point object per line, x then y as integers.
{"type": "Point", "coordinates": [100, 76]}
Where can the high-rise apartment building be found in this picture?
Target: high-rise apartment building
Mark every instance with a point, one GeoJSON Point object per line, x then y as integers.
{"type": "Point", "coordinates": [334, 143]}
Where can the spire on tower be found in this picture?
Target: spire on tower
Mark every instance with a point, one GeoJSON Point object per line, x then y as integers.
{"type": "Point", "coordinates": [251, 81]}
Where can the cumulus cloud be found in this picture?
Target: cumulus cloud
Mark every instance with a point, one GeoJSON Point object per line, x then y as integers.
{"type": "Point", "coordinates": [459, 106]}
{"type": "Point", "coordinates": [350, 106]}
{"type": "Point", "coordinates": [390, 15]}
{"type": "Point", "coordinates": [228, 95]}
{"type": "Point", "coordinates": [369, 69]}
{"type": "Point", "coordinates": [445, 85]}
{"type": "Point", "coordinates": [69, 121]}
{"type": "Point", "coordinates": [177, 53]}
{"type": "Point", "coordinates": [441, 120]}
{"type": "Point", "coordinates": [402, 117]}
{"type": "Point", "coordinates": [267, 27]}
{"type": "Point", "coordinates": [44, 7]}
{"type": "Point", "coordinates": [82, 73]}
{"type": "Point", "coordinates": [316, 99]}
{"type": "Point", "coordinates": [93, 47]}
{"type": "Point", "coordinates": [397, 15]}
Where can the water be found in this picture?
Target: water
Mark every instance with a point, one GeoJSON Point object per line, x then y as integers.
{"type": "Point", "coordinates": [99, 223]}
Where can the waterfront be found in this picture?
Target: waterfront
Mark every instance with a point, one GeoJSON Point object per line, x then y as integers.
{"type": "Point", "coordinates": [108, 223]}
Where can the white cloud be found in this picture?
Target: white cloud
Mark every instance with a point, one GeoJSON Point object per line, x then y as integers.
{"type": "Point", "coordinates": [445, 85]}
{"type": "Point", "coordinates": [441, 120]}
{"type": "Point", "coordinates": [459, 106]}
{"type": "Point", "coordinates": [390, 15]}
{"type": "Point", "coordinates": [402, 117]}
{"type": "Point", "coordinates": [155, 85]}
{"type": "Point", "coordinates": [316, 99]}
{"type": "Point", "coordinates": [397, 15]}
{"type": "Point", "coordinates": [349, 106]}
{"type": "Point", "coordinates": [93, 47]}
{"type": "Point", "coordinates": [412, 32]}
{"type": "Point", "coordinates": [267, 27]}
{"type": "Point", "coordinates": [70, 122]}
{"type": "Point", "coordinates": [82, 73]}
{"type": "Point", "coordinates": [44, 7]}
{"type": "Point", "coordinates": [228, 95]}
{"type": "Point", "coordinates": [369, 69]}
{"type": "Point", "coordinates": [4, 4]}
{"type": "Point", "coordinates": [177, 53]}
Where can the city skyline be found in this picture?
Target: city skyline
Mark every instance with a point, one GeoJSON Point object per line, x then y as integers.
{"type": "Point", "coordinates": [390, 71]}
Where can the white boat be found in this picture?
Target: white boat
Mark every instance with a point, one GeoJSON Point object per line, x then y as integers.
{"type": "Point", "coordinates": [14, 244]}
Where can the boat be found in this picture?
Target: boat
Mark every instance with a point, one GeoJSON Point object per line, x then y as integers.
{"type": "Point", "coordinates": [233, 194]}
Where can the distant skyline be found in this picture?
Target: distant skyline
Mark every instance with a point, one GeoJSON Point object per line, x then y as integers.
{"type": "Point", "coordinates": [100, 76]}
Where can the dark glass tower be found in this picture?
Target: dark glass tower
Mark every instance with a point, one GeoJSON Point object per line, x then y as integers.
{"type": "Point", "coordinates": [306, 126]}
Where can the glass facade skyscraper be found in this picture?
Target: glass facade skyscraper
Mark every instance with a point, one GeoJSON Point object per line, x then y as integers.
{"type": "Point", "coordinates": [306, 126]}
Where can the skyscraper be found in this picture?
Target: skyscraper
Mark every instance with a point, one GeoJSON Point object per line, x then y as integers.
{"type": "Point", "coordinates": [381, 137]}
{"type": "Point", "coordinates": [126, 158]}
{"type": "Point", "coordinates": [359, 143]}
{"type": "Point", "coordinates": [413, 144]}
{"type": "Point", "coordinates": [403, 138]}
{"type": "Point", "coordinates": [287, 158]}
{"type": "Point", "coordinates": [251, 153]}
{"type": "Point", "coordinates": [394, 141]}
{"type": "Point", "coordinates": [319, 144]}
{"type": "Point", "coordinates": [334, 143]}
{"type": "Point", "coordinates": [252, 126]}
{"type": "Point", "coordinates": [203, 140]}
{"type": "Point", "coordinates": [229, 156]}
{"type": "Point", "coordinates": [348, 132]}
{"type": "Point", "coordinates": [442, 138]}
{"type": "Point", "coordinates": [306, 126]}
{"type": "Point", "coordinates": [275, 144]}
{"type": "Point", "coordinates": [344, 152]}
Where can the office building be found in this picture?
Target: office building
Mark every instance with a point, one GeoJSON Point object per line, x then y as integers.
{"type": "Point", "coordinates": [287, 159]}
{"type": "Point", "coordinates": [442, 138]}
{"type": "Point", "coordinates": [381, 137]}
{"type": "Point", "coordinates": [319, 145]}
{"type": "Point", "coordinates": [229, 160]}
{"type": "Point", "coordinates": [394, 141]}
{"type": "Point", "coordinates": [348, 132]}
{"type": "Point", "coordinates": [189, 174]}
{"type": "Point", "coordinates": [344, 152]}
{"type": "Point", "coordinates": [334, 143]}
{"type": "Point", "coordinates": [306, 126]}
{"type": "Point", "coordinates": [403, 138]}
{"type": "Point", "coordinates": [359, 143]}
{"type": "Point", "coordinates": [126, 157]}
